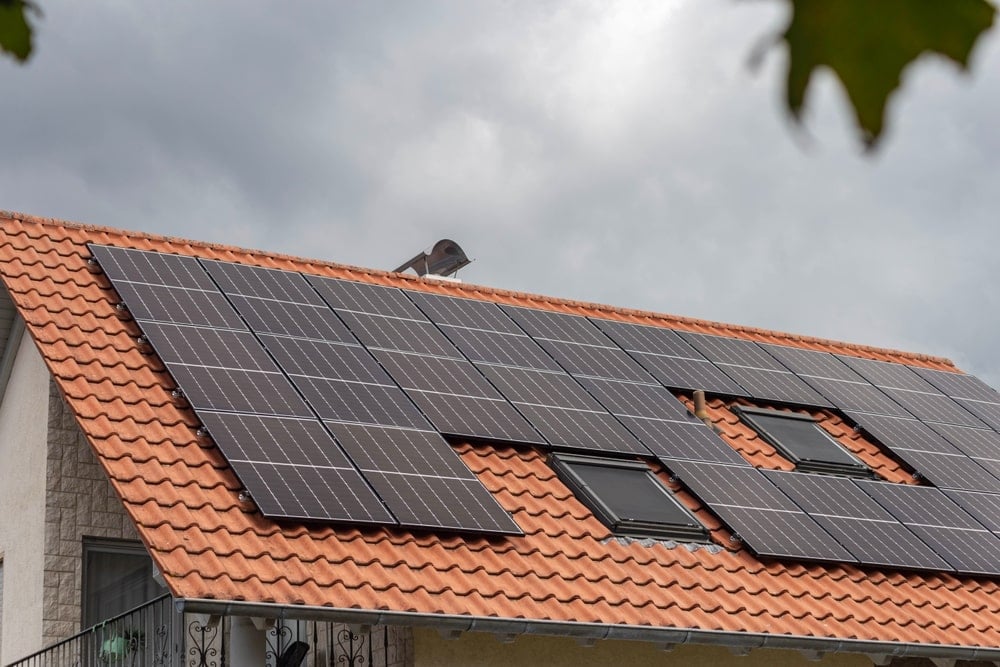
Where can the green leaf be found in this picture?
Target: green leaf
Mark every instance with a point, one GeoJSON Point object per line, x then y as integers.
{"type": "Point", "coordinates": [868, 44]}
{"type": "Point", "coordinates": [15, 31]}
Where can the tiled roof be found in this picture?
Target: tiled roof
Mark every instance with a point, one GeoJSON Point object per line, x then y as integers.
{"type": "Point", "coordinates": [567, 567]}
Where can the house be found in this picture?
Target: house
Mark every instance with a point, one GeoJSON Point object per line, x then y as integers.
{"type": "Point", "coordinates": [151, 513]}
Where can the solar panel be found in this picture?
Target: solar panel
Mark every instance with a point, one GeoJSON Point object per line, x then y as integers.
{"type": "Point", "coordinates": [958, 385]}
{"type": "Point", "coordinates": [871, 534]}
{"type": "Point", "coordinates": [260, 282]}
{"type": "Point", "coordinates": [974, 442]}
{"type": "Point", "coordinates": [985, 507]}
{"type": "Point", "coordinates": [690, 374]}
{"type": "Point", "coordinates": [989, 413]}
{"type": "Point", "coordinates": [178, 305]}
{"type": "Point", "coordinates": [566, 428]}
{"type": "Point", "coordinates": [466, 313]}
{"type": "Point", "coordinates": [687, 441]}
{"type": "Point", "coordinates": [500, 348]}
{"type": "Point", "coordinates": [779, 386]}
{"type": "Point", "coordinates": [644, 338]}
{"type": "Point", "coordinates": [321, 359]}
{"type": "Point", "coordinates": [950, 471]}
{"type": "Point", "coordinates": [595, 361]}
{"type": "Point", "coordinates": [447, 376]}
{"type": "Point", "coordinates": [399, 450]}
{"type": "Point", "coordinates": [902, 433]}
{"type": "Point", "coordinates": [154, 268]}
{"type": "Point", "coordinates": [201, 346]}
{"type": "Point", "coordinates": [365, 298]}
{"type": "Point", "coordinates": [390, 333]}
{"type": "Point", "coordinates": [886, 374]}
{"type": "Point", "coordinates": [763, 517]}
{"type": "Point", "coordinates": [293, 468]}
{"type": "Point", "coordinates": [522, 385]}
{"type": "Point", "coordinates": [467, 416]}
{"type": "Point", "coordinates": [233, 390]}
{"type": "Point", "coordinates": [932, 407]}
{"type": "Point", "coordinates": [812, 363]}
{"type": "Point", "coordinates": [636, 400]}
{"type": "Point", "coordinates": [358, 402]}
{"type": "Point", "coordinates": [292, 319]}
{"type": "Point", "coordinates": [937, 520]}
{"type": "Point", "coordinates": [556, 326]}
{"type": "Point", "coordinates": [857, 397]}
{"type": "Point", "coordinates": [735, 351]}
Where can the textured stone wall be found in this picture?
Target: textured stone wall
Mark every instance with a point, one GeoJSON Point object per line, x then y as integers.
{"type": "Point", "coordinates": [79, 502]}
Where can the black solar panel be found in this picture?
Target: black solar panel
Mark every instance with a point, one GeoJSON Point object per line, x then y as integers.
{"type": "Point", "coordinates": [636, 400]}
{"type": "Point", "coordinates": [645, 338]}
{"type": "Point", "coordinates": [886, 374]}
{"type": "Point", "coordinates": [933, 407]}
{"type": "Point", "coordinates": [683, 440]}
{"type": "Point", "coordinates": [735, 351]}
{"type": "Point", "coordinates": [292, 319]}
{"type": "Point", "coordinates": [989, 413]}
{"type": "Point", "coordinates": [950, 472]}
{"type": "Point", "coordinates": [280, 440]}
{"type": "Point", "coordinates": [390, 333]}
{"type": "Point", "coordinates": [859, 523]}
{"type": "Point", "coordinates": [566, 428]}
{"type": "Point", "coordinates": [400, 450]}
{"type": "Point", "coordinates": [857, 397]}
{"type": "Point", "coordinates": [230, 390]}
{"type": "Point", "coordinates": [522, 385]}
{"type": "Point", "coordinates": [467, 416]}
{"type": "Point", "coordinates": [902, 433]}
{"type": "Point", "coordinates": [320, 359]}
{"type": "Point", "coordinates": [595, 361]}
{"type": "Point", "coordinates": [466, 313]}
{"type": "Point", "coordinates": [154, 268]}
{"type": "Point", "coordinates": [500, 348]}
{"type": "Point", "coordinates": [447, 376]}
{"type": "Point", "coordinates": [779, 386]}
{"type": "Point", "coordinates": [365, 298]}
{"type": "Point", "coordinates": [767, 521]}
{"type": "Point", "coordinates": [557, 326]}
{"type": "Point", "coordinates": [178, 305]}
{"type": "Point", "coordinates": [358, 402]}
{"type": "Point", "coordinates": [985, 507]}
{"type": "Point", "coordinates": [201, 346]}
{"type": "Point", "coordinates": [692, 374]}
{"type": "Point", "coordinates": [942, 524]}
{"type": "Point", "coordinates": [958, 385]}
{"type": "Point", "coordinates": [974, 442]}
{"type": "Point", "coordinates": [812, 363]}
{"type": "Point", "coordinates": [255, 281]}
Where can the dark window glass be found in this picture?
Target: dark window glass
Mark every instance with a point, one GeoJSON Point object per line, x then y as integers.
{"type": "Point", "coordinates": [800, 440]}
{"type": "Point", "coordinates": [117, 577]}
{"type": "Point", "coordinates": [627, 497]}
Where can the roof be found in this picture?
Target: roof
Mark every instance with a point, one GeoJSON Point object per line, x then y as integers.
{"type": "Point", "coordinates": [566, 571]}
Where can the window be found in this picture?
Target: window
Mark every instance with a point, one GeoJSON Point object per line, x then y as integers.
{"type": "Point", "coordinates": [799, 439]}
{"type": "Point", "coordinates": [117, 577]}
{"type": "Point", "coordinates": [627, 497]}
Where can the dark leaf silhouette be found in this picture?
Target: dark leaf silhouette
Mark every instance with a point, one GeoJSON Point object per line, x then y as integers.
{"type": "Point", "coordinates": [15, 31]}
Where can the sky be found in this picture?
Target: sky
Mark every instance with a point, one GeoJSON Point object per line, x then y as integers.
{"type": "Point", "coordinates": [621, 153]}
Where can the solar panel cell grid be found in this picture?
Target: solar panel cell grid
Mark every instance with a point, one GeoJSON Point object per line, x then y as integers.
{"type": "Point", "coordinates": [812, 363]}
{"type": "Point", "coordinates": [783, 534]}
{"type": "Point", "coordinates": [735, 351]}
{"type": "Point", "coordinates": [365, 298]}
{"type": "Point", "coordinates": [273, 439]}
{"type": "Point", "coordinates": [691, 441]}
{"type": "Point", "coordinates": [825, 494]}
{"type": "Point", "coordinates": [464, 312]}
{"type": "Point", "coordinates": [918, 504]}
{"type": "Point", "coordinates": [933, 407]}
{"type": "Point", "coordinates": [292, 319]}
{"type": "Point", "coordinates": [378, 448]}
{"type": "Point", "coordinates": [521, 385]}
{"type": "Point", "coordinates": [125, 264]}
{"type": "Point", "coordinates": [882, 543]}
{"type": "Point", "coordinates": [985, 507]}
{"type": "Point", "coordinates": [780, 386]}
{"type": "Point", "coordinates": [989, 413]}
{"type": "Point", "coordinates": [689, 374]}
{"type": "Point", "coordinates": [579, 429]}
{"type": "Point", "coordinates": [644, 338]}
{"type": "Point", "coordinates": [231, 390]}
{"type": "Point", "coordinates": [636, 400]}
{"type": "Point", "coordinates": [958, 385]}
{"type": "Point", "coordinates": [178, 306]}
{"type": "Point", "coordinates": [356, 402]}
{"type": "Point", "coordinates": [500, 348]}
{"type": "Point", "coordinates": [968, 551]}
{"type": "Point", "coordinates": [201, 346]}
{"type": "Point", "coordinates": [950, 472]}
{"type": "Point", "coordinates": [260, 282]}
{"type": "Point", "coordinates": [390, 333]}
{"type": "Point", "coordinates": [593, 361]}
{"type": "Point", "coordinates": [736, 486]}
{"type": "Point", "coordinates": [557, 326]}
{"type": "Point", "coordinates": [885, 374]}
{"type": "Point", "coordinates": [974, 442]}
{"type": "Point", "coordinates": [475, 417]}
{"type": "Point", "coordinates": [450, 376]}
{"type": "Point", "coordinates": [852, 396]}
{"type": "Point", "coordinates": [903, 433]}
{"type": "Point", "coordinates": [333, 361]}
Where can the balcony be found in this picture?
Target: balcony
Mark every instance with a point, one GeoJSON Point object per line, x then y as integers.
{"type": "Point", "coordinates": [156, 635]}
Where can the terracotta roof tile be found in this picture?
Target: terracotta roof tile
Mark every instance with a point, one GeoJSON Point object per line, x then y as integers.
{"type": "Point", "coordinates": [184, 498]}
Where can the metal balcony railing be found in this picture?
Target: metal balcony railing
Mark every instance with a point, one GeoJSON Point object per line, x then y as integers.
{"type": "Point", "coordinates": [156, 635]}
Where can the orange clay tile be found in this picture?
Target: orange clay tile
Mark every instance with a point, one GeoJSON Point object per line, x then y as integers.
{"type": "Point", "coordinates": [183, 497]}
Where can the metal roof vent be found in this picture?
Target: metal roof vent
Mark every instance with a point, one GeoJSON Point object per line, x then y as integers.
{"type": "Point", "coordinates": [443, 260]}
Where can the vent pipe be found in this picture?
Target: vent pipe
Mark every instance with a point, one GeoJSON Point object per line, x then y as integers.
{"type": "Point", "coordinates": [701, 408]}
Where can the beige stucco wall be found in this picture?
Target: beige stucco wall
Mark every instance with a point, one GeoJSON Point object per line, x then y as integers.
{"type": "Point", "coordinates": [23, 452]}
{"type": "Point", "coordinates": [485, 650]}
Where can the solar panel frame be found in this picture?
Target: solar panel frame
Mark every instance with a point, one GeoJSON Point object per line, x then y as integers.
{"type": "Point", "coordinates": [646, 338]}
{"type": "Point", "coordinates": [857, 397]}
{"type": "Point", "coordinates": [246, 437]}
{"type": "Point", "coordinates": [596, 361]}
{"type": "Point", "coordinates": [285, 318]}
{"type": "Point", "coordinates": [887, 374]}
{"type": "Point", "coordinates": [552, 325]}
{"type": "Point", "coordinates": [401, 450]}
{"type": "Point", "coordinates": [689, 374]}
{"type": "Point", "coordinates": [950, 472]}
{"type": "Point", "coordinates": [475, 417]}
{"type": "Point", "coordinates": [524, 385]}
{"type": "Point", "coordinates": [205, 346]}
{"type": "Point", "coordinates": [974, 442]}
{"type": "Point", "coordinates": [775, 385]}
{"type": "Point", "coordinates": [466, 313]}
{"type": "Point", "coordinates": [348, 295]}
{"type": "Point", "coordinates": [635, 400]}
{"type": "Point", "coordinates": [686, 441]}
{"type": "Point", "coordinates": [984, 507]}
{"type": "Point", "coordinates": [261, 282]}
{"type": "Point", "coordinates": [359, 402]}
{"type": "Point", "coordinates": [326, 359]}
{"type": "Point", "coordinates": [497, 348]}
{"type": "Point", "coordinates": [392, 333]}
{"type": "Point", "coordinates": [958, 385]}
{"type": "Point", "coordinates": [933, 407]}
{"type": "Point", "coordinates": [812, 363]}
{"type": "Point", "coordinates": [436, 374]}
{"type": "Point", "coordinates": [987, 413]}
{"type": "Point", "coordinates": [234, 390]}
{"type": "Point", "coordinates": [154, 268]}
{"type": "Point", "coordinates": [177, 305]}
{"type": "Point", "coordinates": [902, 433]}
{"type": "Point", "coordinates": [585, 430]}
{"type": "Point", "coordinates": [732, 351]}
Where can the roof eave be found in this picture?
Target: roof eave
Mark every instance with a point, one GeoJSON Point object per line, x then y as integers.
{"type": "Point", "coordinates": [664, 636]}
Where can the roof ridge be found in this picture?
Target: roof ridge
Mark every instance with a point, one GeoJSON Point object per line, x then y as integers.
{"type": "Point", "coordinates": [740, 331]}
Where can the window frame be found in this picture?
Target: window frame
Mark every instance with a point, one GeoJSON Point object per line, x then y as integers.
{"type": "Point", "coordinates": [858, 469]}
{"type": "Point", "coordinates": [620, 526]}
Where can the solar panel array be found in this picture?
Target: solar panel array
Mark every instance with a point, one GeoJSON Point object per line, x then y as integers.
{"type": "Point", "coordinates": [330, 399]}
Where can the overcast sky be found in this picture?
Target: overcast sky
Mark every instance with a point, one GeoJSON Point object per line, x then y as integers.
{"type": "Point", "coordinates": [622, 153]}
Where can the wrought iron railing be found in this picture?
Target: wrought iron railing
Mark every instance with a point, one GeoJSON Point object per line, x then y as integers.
{"type": "Point", "coordinates": [155, 635]}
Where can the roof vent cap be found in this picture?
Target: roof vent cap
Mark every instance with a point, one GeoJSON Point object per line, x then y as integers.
{"type": "Point", "coordinates": [443, 260]}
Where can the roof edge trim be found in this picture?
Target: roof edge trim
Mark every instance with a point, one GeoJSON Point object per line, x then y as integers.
{"type": "Point", "coordinates": [736, 329]}
{"type": "Point", "coordinates": [587, 631]}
